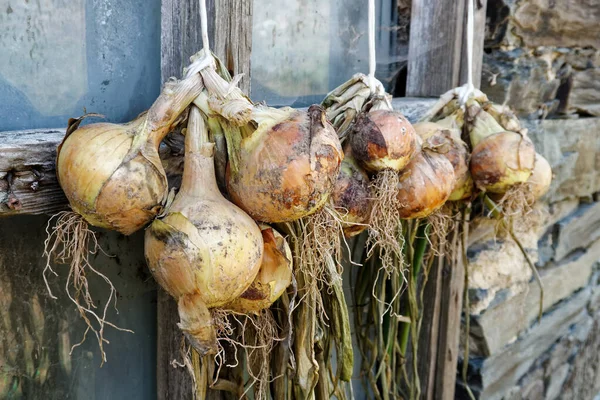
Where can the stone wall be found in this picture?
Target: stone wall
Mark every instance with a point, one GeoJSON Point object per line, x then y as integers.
{"type": "Point", "coordinates": [543, 59]}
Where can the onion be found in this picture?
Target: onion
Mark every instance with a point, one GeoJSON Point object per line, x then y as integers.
{"type": "Point", "coordinates": [501, 161]}
{"type": "Point", "coordinates": [288, 166]}
{"type": "Point", "coordinates": [111, 173]}
{"type": "Point", "coordinates": [450, 144]}
{"type": "Point", "coordinates": [480, 123]}
{"type": "Point", "coordinates": [541, 177]}
{"type": "Point", "coordinates": [425, 184]}
{"type": "Point", "coordinates": [204, 251]}
{"type": "Point", "coordinates": [352, 197]}
{"type": "Point", "coordinates": [383, 139]}
{"type": "Point", "coordinates": [274, 276]}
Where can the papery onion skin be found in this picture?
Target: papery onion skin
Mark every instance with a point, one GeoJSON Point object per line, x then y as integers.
{"type": "Point", "coordinates": [541, 177]}
{"type": "Point", "coordinates": [273, 278]}
{"type": "Point", "coordinates": [204, 251]}
{"type": "Point", "coordinates": [352, 197]}
{"type": "Point", "coordinates": [288, 170]}
{"type": "Point", "coordinates": [383, 139]}
{"type": "Point", "coordinates": [455, 150]}
{"type": "Point", "coordinates": [111, 173]}
{"type": "Point", "coordinates": [425, 184]}
{"type": "Point", "coordinates": [501, 160]}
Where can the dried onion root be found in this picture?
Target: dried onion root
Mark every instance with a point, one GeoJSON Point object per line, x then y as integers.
{"type": "Point", "coordinates": [113, 178]}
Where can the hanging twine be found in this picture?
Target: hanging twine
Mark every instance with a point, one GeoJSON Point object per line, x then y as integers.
{"type": "Point", "coordinates": [468, 90]}
{"type": "Point", "coordinates": [372, 57]}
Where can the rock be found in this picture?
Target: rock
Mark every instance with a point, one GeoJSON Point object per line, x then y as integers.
{"type": "Point", "coordinates": [534, 391]}
{"type": "Point", "coordinates": [584, 380]}
{"type": "Point", "coordinates": [502, 370]}
{"type": "Point", "coordinates": [577, 230]}
{"type": "Point", "coordinates": [571, 23]}
{"type": "Point", "coordinates": [572, 148]}
{"type": "Point", "coordinates": [584, 97]}
{"type": "Point", "coordinates": [517, 313]}
{"type": "Point", "coordinates": [557, 379]}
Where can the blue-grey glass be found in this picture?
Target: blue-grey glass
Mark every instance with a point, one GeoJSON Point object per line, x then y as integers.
{"type": "Point", "coordinates": [301, 49]}
{"type": "Point", "coordinates": [37, 333]}
{"type": "Point", "coordinates": [61, 58]}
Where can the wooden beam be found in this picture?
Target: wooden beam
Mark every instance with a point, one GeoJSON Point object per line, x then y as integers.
{"type": "Point", "coordinates": [434, 47]}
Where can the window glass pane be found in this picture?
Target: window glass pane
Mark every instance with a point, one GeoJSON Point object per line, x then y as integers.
{"type": "Point", "coordinates": [301, 49]}
{"type": "Point", "coordinates": [59, 57]}
{"type": "Point", "coordinates": [37, 333]}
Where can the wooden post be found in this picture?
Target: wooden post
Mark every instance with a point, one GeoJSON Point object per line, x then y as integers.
{"type": "Point", "coordinates": [437, 63]}
{"type": "Point", "coordinates": [230, 33]}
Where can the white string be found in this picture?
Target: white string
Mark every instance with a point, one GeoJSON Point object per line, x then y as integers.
{"type": "Point", "coordinates": [372, 59]}
{"type": "Point", "coordinates": [204, 27]}
{"type": "Point", "coordinates": [468, 90]}
{"type": "Point", "coordinates": [470, 33]}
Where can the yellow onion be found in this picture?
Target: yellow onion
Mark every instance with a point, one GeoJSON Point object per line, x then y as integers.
{"type": "Point", "coordinates": [425, 184]}
{"type": "Point", "coordinates": [480, 123]}
{"type": "Point", "coordinates": [352, 197]}
{"type": "Point", "coordinates": [273, 278]}
{"type": "Point", "coordinates": [111, 173]}
{"type": "Point", "coordinates": [383, 139]}
{"type": "Point", "coordinates": [288, 165]}
{"type": "Point", "coordinates": [541, 177]}
{"type": "Point", "coordinates": [502, 160]}
{"type": "Point", "coordinates": [204, 251]}
{"type": "Point", "coordinates": [449, 143]}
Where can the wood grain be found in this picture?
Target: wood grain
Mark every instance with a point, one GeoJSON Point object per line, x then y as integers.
{"type": "Point", "coordinates": [435, 45]}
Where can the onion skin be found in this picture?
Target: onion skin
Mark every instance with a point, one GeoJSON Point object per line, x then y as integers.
{"type": "Point", "coordinates": [455, 150]}
{"type": "Point", "coordinates": [541, 177]}
{"type": "Point", "coordinates": [273, 278]}
{"type": "Point", "coordinates": [288, 169]}
{"type": "Point", "coordinates": [502, 160]}
{"type": "Point", "coordinates": [425, 184]}
{"type": "Point", "coordinates": [205, 251]}
{"type": "Point", "coordinates": [352, 197]}
{"type": "Point", "coordinates": [111, 173]}
{"type": "Point", "coordinates": [383, 139]}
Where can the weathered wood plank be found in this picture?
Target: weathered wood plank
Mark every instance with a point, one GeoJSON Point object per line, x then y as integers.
{"type": "Point", "coordinates": [430, 331]}
{"type": "Point", "coordinates": [453, 277]}
{"type": "Point", "coordinates": [27, 172]}
{"type": "Point", "coordinates": [434, 47]}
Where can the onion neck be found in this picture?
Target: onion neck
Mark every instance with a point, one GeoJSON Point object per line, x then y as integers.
{"type": "Point", "coordinates": [172, 102]}
{"type": "Point", "coordinates": [199, 179]}
{"type": "Point", "coordinates": [484, 125]}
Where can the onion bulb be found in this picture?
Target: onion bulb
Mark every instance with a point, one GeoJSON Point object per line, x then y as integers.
{"type": "Point", "coordinates": [425, 184]}
{"type": "Point", "coordinates": [352, 197]}
{"type": "Point", "coordinates": [541, 177]}
{"type": "Point", "coordinates": [449, 143]}
{"type": "Point", "coordinates": [481, 124]}
{"type": "Point", "coordinates": [111, 173]}
{"type": "Point", "coordinates": [273, 278]}
{"type": "Point", "coordinates": [289, 165]}
{"type": "Point", "coordinates": [383, 139]}
{"type": "Point", "coordinates": [204, 251]}
{"type": "Point", "coordinates": [501, 161]}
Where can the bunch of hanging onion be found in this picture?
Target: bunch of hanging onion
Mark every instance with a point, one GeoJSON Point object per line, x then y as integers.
{"type": "Point", "coordinates": [111, 173]}
{"type": "Point", "coordinates": [113, 178]}
{"type": "Point", "coordinates": [448, 142]}
{"type": "Point", "coordinates": [283, 163]}
{"type": "Point", "coordinates": [352, 196]}
{"type": "Point", "coordinates": [204, 251]}
{"type": "Point", "coordinates": [500, 159]}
